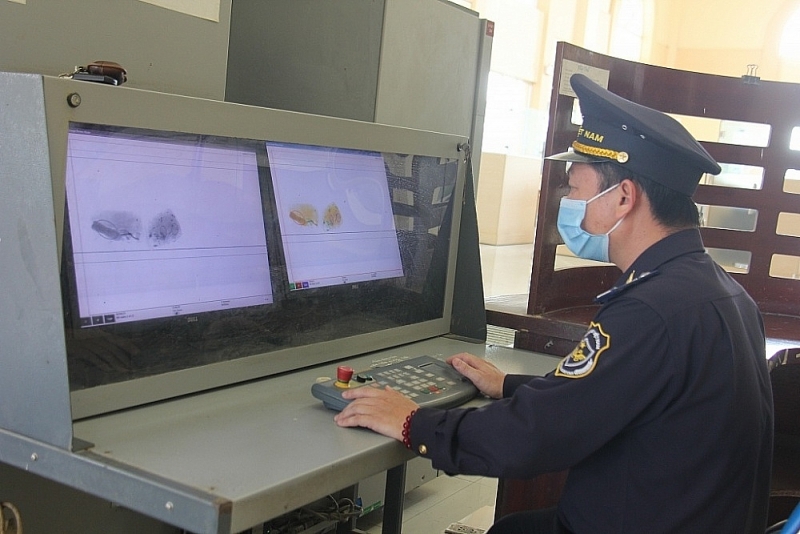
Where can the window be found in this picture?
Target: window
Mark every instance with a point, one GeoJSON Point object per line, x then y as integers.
{"type": "Point", "coordinates": [628, 30]}
{"type": "Point", "coordinates": [790, 40]}
{"type": "Point", "coordinates": [794, 140]}
{"type": "Point", "coordinates": [507, 121]}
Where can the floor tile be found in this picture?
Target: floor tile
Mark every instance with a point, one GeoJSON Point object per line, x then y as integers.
{"type": "Point", "coordinates": [433, 506]}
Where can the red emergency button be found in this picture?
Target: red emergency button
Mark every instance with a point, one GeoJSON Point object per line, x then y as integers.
{"type": "Point", "coordinates": [343, 375]}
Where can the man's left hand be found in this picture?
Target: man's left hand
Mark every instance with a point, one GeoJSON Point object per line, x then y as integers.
{"type": "Point", "coordinates": [381, 410]}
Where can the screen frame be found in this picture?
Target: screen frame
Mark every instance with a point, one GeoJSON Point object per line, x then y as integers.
{"type": "Point", "coordinates": [113, 106]}
{"type": "Point", "coordinates": [78, 292]}
{"type": "Point", "coordinates": [302, 223]}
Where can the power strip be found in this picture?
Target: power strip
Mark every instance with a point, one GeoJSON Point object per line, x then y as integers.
{"type": "Point", "coordinates": [461, 528]}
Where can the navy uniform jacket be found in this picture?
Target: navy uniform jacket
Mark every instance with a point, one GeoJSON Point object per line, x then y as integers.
{"type": "Point", "coordinates": [663, 413]}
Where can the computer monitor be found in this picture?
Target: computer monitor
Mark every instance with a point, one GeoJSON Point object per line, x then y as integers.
{"type": "Point", "coordinates": [336, 220]}
{"type": "Point", "coordinates": [163, 226]}
{"type": "Point", "coordinates": [205, 243]}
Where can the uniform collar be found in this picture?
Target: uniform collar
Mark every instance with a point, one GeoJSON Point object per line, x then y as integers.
{"type": "Point", "coordinates": [647, 264]}
{"type": "Point", "coordinates": [669, 248]}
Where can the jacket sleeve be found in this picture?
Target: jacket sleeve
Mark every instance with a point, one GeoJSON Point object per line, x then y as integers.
{"type": "Point", "coordinates": [512, 382]}
{"type": "Point", "coordinates": [550, 423]}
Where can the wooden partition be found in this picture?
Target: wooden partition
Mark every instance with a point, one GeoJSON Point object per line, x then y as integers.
{"type": "Point", "coordinates": [559, 304]}
{"type": "Point", "coordinates": [751, 211]}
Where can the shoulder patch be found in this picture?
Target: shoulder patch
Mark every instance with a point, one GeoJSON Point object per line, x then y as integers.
{"type": "Point", "coordinates": [583, 359]}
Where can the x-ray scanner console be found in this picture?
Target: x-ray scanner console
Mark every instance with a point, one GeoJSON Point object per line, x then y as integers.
{"type": "Point", "coordinates": [176, 271]}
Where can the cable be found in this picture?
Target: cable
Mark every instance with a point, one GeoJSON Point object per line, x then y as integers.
{"type": "Point", "coordinates": [307, 518]}
{"type": "Point", "coordinates": [792, 525]}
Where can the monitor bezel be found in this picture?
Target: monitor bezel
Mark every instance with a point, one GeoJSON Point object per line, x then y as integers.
{"type": "Point", "coordinates": [72, 315]}
{"type": "Point", "coordinates": [112, 106]}
{"type": "Point", "coordinates": [318, 227]}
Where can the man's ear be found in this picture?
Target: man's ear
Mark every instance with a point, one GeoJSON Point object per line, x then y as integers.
{"type": "Point", "coordinates": [630, 196]}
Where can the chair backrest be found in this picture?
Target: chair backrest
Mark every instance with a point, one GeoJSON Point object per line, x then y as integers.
{"type": "Point", "coordinates": [785, 379]}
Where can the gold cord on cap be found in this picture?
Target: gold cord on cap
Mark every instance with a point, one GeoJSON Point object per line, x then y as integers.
{"type": "Point", "coordinates": [619, 157]}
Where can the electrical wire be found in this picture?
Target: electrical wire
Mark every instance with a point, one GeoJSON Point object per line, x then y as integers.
{"type": "Point", "coordinates": [792, 525]}
{"type": "Point", "coordinates": [305, 518]}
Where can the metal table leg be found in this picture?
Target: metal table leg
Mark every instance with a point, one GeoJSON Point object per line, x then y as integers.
{"type": "Point", "coordinates": [393, 499]}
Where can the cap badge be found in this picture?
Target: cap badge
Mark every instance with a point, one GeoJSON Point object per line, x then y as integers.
{"type": "Point", "coordinates": [619, 157]}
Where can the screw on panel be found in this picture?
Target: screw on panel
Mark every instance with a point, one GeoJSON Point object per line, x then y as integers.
{"type": "Point", "coordinates": [74, 100]}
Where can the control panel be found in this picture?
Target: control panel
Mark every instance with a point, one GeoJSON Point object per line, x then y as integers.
{"type": "Point", "coordinates": [426, 380]}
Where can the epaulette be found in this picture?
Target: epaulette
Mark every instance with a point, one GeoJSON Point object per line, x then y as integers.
{"type": "Point", "coordinates": [633, 280]}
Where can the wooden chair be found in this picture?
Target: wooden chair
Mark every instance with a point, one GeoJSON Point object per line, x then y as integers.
{"type": "Point", "coordinates": [785, 490]}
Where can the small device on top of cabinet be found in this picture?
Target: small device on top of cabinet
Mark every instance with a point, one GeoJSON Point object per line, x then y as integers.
{"type": "Point", "coordinates": [427, 381]}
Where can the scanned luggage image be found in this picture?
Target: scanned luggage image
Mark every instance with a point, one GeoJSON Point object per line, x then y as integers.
{"type": "Point", "coordinates": [355, 240]}
{"type": "Point", "coordinates": [304, 215]}
{"type": "Point", "coordinates": [117, 225]}
{"type": "Point", "coordinates": [164, 229]}
{"type": "Point", "coordinates": [333, 217]}
{"type": "Point", "coordinates": [163, 226]}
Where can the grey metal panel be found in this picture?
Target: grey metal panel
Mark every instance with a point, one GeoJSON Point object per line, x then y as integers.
{"type": "Point", "coordinates": [468, 319]}
{"type": "Point", "coordinates": [314, 56]}
{"type": "Point", "coordinates": [428, 66]}
{"type": "Point", "coordinates": [413, 63]}
{"type": "Point", "coordinates": [469, 314]}
{"type": "Point", "coordinates": [34, 392]}
{"type": "Point", "coordinates": [232, 458]}
{"type": "Point", "coordinates": [268, 447]}
{"type": "Point", "coordinates": [148, 493]}
{"type": "Point", "coordinates": [481, 89]}
{"type": "Point", "coordinates": [161, 49]}
{"type": "Point", "coordinates": [70, 510]}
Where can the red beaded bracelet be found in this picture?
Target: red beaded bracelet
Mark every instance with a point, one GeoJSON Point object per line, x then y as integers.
{"type": "Point", "coordinates": [406, 429]}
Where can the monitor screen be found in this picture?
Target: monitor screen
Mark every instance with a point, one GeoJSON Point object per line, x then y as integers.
{"type": "Point", "coordinates": [335, 214]}
{"type": "Point", "coordinates": [163, 227]}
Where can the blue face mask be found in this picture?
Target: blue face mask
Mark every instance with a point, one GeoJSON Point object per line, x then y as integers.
{"type": "Point", "coordinates": [583, 244]}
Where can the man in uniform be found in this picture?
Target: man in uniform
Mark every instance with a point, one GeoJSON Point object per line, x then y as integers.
{"type": "Point", "coordinates": [663, 412]}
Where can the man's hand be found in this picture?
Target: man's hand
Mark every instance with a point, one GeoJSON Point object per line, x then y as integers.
{"type": "Point", "coordinates": [486, 377]}
{"type": "Point", "coordinates": [385, 410]}
{"type": "Point", "coordinates": [382, 410]}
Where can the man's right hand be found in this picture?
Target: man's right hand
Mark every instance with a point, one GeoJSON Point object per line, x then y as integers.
{"type": "Point", "coordinates": [486, 377]}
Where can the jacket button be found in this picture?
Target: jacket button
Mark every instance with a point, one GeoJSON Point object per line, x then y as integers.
{"type": "Point", "coordinates": [423, 450]}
